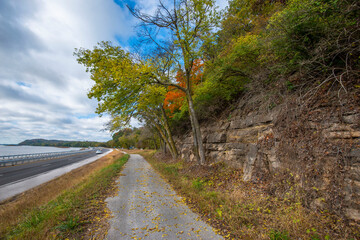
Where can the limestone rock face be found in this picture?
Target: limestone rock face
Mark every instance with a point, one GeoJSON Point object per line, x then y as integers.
{"type": "Point", "coordinates": [353, 214]}
{"type": "Point", "coordinates": [249, 162]}
{"type": "Point", "coordinates": [249, 141]}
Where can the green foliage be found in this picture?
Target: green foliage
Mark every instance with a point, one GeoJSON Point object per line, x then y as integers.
{"type": "Point", "coordinates": [69, 224]}
{"type": "Point", "coordinates": [127, 137]}
{"type": "Point", "coordinates": [267, 40]}
{"type": "Point", "coordinates": [226, 78]}
{"type": "Point", "coordinates": [34, 219]}
{"type": "Point", "coordinates": [119, 80]}
{"type": "Point", "coordinates": [243, 17]}
{"type": "Point", "coordinates": [147, 138]}
{"type": "Point", "coordinates": [151, 97]}
{"type": "Point", "coordinates": [62, 143]}
{"type": "Point", "coordinates": [315, 36]}
{"type": "Point", "coordinates": [127, 141]}
{"type": "Point", "coordinates": [212, 195]}
{"type": "Point", "coordinates": [219, 212]}
{"type": "Point", "coordinates": [277, 235]}
{"type": "Point", "coordinates": [195, 19]}
{"type": "Point", "coordinates": [290, 85]}
{"type": "Point", "coordinates": [171, 170]}
{"type": "Point", "coordinates": [198, 184]}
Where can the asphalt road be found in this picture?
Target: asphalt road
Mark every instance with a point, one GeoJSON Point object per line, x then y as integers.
{"type": "Point", "coordinates": [19, 172]}
{"type": "Point", "coordinates": [146, 207]}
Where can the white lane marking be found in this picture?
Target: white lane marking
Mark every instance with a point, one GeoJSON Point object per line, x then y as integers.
{"type": "Point", "coordinates": [45, 165]}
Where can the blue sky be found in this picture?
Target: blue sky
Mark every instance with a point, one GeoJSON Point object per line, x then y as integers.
{"type": "Point", "coordinates": [43, 90]}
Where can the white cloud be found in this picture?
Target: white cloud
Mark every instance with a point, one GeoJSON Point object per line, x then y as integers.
{"type": "Point", "coordinates": [42, 87]}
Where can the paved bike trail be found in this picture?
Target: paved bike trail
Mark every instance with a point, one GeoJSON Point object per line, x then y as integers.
{"type": "Point", "coordinates": [146, 207]}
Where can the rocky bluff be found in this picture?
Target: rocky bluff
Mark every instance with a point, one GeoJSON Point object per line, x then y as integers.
{"type": "Point", "coordinates": [313, 150]}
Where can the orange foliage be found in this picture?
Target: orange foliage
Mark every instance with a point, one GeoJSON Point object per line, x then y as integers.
{"type": "Point", "coordinates": [175, 98]}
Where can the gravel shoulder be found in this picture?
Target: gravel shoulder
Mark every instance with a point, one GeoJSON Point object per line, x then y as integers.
{"type": "Point", "coordinates": [146, 207]}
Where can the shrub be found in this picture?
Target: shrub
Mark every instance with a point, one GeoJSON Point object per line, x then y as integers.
{"type": "Point", "coordinates": [226, 78]}
{"type": "Point", "coordinates": [317, 37]}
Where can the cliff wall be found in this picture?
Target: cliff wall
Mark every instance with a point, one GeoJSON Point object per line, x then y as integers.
{"type": "Point", "coordinates": [310, 153]}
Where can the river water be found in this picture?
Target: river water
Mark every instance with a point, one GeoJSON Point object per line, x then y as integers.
{"type": "Point", "coordinates": [14, 150]}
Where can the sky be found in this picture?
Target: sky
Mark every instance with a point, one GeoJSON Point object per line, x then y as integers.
{"type": "Point", "coordinates": [43, 90]}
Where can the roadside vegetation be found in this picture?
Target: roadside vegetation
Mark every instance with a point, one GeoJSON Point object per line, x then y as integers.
{"type": "Point", "coordinates": [69, 207]}
{"type": "Point", "coordinates": [242, 210]}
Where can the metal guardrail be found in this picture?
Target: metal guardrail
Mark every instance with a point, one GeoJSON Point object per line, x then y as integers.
{"type": "Point", "coordinates": [12, 160]}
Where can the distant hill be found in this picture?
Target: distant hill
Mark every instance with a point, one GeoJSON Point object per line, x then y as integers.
{"type": "Point", "coordinates": [61, 143]}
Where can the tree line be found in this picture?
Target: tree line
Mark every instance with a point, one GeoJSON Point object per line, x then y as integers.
{"type": "Point", "coordinates": [62, 143]}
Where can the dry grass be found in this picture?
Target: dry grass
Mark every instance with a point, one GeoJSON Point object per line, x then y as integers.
{"type": "Point", "coordinates": [12, 210]}
{"type": "Point", "coordinates": [242, 210]}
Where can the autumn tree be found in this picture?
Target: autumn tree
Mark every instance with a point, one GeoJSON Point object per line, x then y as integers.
{"type": "Point", "coordinates": [125, 88]}
{"type": "Point", "coordinates": [151, 109]}
{"type": "Point", "coordinates": [120, 77]}
{"type": "Point", "coordinates": [175, 98]}
{"type": "Point", "coordinates": [188, 24]}
{"type": "Point", "coordinates": [148, 138]}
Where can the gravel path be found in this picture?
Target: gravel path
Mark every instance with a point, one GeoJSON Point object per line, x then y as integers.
{"type": "Point", "coordinates": [146, 207]}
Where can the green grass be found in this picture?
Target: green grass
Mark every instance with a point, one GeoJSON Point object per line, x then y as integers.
{"type": "Point", "coordinates": [197, 184]}
{"type": "Point", "coordinates": [70, 224]}
{"type": "Point", "coordinates": [63, 216]}
{"type": "Point", "coordinates": [277, 235]}
{"type": "Point", "coordinates": [171, 170]}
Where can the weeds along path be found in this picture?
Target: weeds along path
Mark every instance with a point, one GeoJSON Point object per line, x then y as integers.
{"type": "Point", "coordinates": [146, 207]}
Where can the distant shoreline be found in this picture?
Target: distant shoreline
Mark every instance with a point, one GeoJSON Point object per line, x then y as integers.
{"type": "Point", "coordinates": [26, 149]}
{"type": "Point", "coordinates": [18, 145]}
{"type": "Point", "coordinates": [62, 143]}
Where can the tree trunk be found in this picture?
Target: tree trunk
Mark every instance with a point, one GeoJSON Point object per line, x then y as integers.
{"type": "Point", "coordinates": [163, 136]}
{"type": "Point", "coordinates": [168, 131]}
{"type": "Point", "coordinates": [164, 147]}
{"type": "Point", "coordinates": [155, 144]}
{"type": "Point", "coordinates": [169, 139]}
{"type": "Point", "coordinates": [198, 143]}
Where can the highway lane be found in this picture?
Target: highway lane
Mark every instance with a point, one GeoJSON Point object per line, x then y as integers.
{"type": "Point", "coordinates": [19, 172]}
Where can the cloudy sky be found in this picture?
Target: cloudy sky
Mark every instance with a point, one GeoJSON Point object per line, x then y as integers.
{"type": "Point", "coordinates": [42, 87]}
